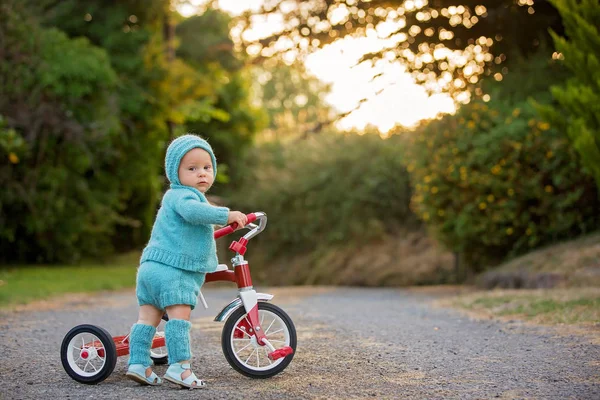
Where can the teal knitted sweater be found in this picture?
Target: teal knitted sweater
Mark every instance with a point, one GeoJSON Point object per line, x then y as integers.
{"type": "Point", "coordinates": [183, 233]}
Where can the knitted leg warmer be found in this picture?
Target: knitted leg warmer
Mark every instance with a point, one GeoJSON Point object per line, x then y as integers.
{"type": "Point", "coordinates": [140, 341]}
{"type": "Point", "coordinates": [177, 335]}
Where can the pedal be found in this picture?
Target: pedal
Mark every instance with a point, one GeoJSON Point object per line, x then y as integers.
{"type": "Point", "coordinates": [279, 353]}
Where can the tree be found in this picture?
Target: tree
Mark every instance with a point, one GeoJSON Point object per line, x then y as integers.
{"type": "Point", "coordinates": [172, 72]}
{"type": "Point", "coordinates": [205, 40]}
{"type": "Point", "coordinates": [59, 199]}
{"type": "Point", "coordinates": [131, 33]}
{"type": "Point", "coordinates": [293, 99]}
{"type": "Point", "coordinates": [494, 181]}
{"type": "Point", "coordinates": [444, 44]}
{"type": "Point", "coordinates": [578, 108]}
{"type": "Point", "coordinates": [231, 120]}
{"type": "Point", "coordinates": [90, 94]}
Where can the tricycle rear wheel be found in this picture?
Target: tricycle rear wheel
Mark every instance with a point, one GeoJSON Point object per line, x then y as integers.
{"type": "Point", "coordinates": [88, 354]}
{"type": "Point", "coordinates": [159, 355]}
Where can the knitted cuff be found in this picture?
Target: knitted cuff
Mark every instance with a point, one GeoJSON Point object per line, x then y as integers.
{"type": "Point", "coordinates": [222, 215]}
{"type": "Point", "coordinates": [177, 335]}
{"type": "Point", "coordinates": [140, 341]}
{"type": "Point", "coordinates": [178, 297]}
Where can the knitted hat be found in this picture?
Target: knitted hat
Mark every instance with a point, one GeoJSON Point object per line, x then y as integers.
{"type": "Point", "coordinates": [177, 150]}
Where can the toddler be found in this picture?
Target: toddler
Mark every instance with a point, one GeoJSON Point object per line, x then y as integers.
{"type": "Point", "coordinates": [173, 265]}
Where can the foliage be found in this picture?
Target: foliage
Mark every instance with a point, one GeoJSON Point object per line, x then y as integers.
{"type": "Point", "coordinates": [578, 100]}
{"type": "Point", "coordinates": [326, 190]}
{"type": "Point", "coordinates": [293, 99]}
{"type": "Point", "coordinates": [131, 33]}
{"type": "Point", "coordinates": [430, 38]}
{"type": "Point", "coordinates": [529, 78]}
{"type": "Point", "coordinates": [193, 83]}
{"type": "Point", "coordinates": [59, 199]}
{"type": "Point", "coordinates": [233, 121]}
{"type": "Point", "coordinates": [494, 181]}
{"type": "Point", "coordinates": [205, 41]}
{"type": "Point", "coordinates": [91, 94]}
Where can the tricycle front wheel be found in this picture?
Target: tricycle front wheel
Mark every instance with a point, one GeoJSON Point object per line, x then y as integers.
{"type": "Point", "coordinates": [88, 354]}
{"type": "Point", "coordinates": [243, 352]}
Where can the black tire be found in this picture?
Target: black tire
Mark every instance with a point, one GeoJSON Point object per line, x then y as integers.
{"type": "Point", "coordinates": [239, 366]}
{"type": "Point", "coordinates": [109, 359]}
{"type": "Point", "coordinates": [160, 360]}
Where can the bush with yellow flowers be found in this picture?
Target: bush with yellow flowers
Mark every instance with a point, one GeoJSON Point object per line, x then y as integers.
{"type": "Point", "coordinates": [494, 181]}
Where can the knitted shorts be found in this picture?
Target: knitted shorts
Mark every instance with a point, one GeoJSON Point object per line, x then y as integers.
{"type": "Point", "coordinates": [161, 286]}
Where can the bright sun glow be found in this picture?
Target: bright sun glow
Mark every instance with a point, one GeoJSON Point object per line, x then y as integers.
{"type": "Point", "coordinates": [400, 101]}
{"type": "Point", "coordinates": [391, 99]}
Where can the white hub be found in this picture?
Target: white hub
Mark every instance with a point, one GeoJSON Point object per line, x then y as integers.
{"type": "Point", "coordinates": [88, 353]}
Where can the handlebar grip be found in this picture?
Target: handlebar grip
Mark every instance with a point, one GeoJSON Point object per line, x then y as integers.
{"type": "Point", "coordinates": [231, 228]}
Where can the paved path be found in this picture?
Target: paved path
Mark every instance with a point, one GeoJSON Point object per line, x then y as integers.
{"type": "Point", "coordinates": [352, 343]}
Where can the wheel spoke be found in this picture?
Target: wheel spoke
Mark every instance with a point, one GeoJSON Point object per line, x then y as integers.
{"type": "Point", "coordinates": [243, 348]}
{"type": "Point", "coordinates": [241, 330]}
{"type": "Point", "coordinates": [160, 351]}
{"type": "Point", "coordinates": [251, 354]}
{"type": "Point", "coordinates": [272, 333]}
{"type": "Point", "coordinates": [272, 322]}
{"type": "Point", "coordinates": [267, 353]}
{"type": "Point", "coordinates": [274, 326]}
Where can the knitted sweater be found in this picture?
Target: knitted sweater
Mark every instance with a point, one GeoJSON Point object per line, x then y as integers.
{"type": "Point", "coordinates": [183, 233]}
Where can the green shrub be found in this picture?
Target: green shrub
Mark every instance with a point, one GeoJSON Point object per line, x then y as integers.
{"type": "Point", "coordinates": [578, 100]}
{"type": "Point", "coordinates": [326, 190]}
{"type": "Point", "coordinates": [58, 200]}
{"type": "Point", "coordinates": [493, 181]}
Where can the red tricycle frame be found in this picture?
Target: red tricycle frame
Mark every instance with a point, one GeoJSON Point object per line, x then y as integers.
{"type": "Point", "coordinates": [243, 323]}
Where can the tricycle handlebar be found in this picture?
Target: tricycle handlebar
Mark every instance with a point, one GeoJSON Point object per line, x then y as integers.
{"type": "Point", "coordinates": [261, 216]}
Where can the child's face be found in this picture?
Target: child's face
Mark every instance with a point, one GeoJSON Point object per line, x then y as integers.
{"type": "Point", "coordinates": [196, 170]}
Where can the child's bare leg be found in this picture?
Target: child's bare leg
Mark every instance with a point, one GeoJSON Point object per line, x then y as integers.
{"type": "Point", "coordinates": [181, 312]}
{"type": "Point", "coordinates": [149, 315]}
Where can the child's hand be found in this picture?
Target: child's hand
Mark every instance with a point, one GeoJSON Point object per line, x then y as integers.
{"type": "Point", "coordinates": [238, 217]}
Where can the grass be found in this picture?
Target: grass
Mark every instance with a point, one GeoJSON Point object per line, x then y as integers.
{"type": "Point", "coordinates": [576, 262]}
{"type": "Point", "coordinates": [574, 301]}
{"type": "Point", "coordinates": [570, 306]}
{"type": "Point", "coordinates": [576, 254]}
{"type": "Point", "coordinates": [24, 284]}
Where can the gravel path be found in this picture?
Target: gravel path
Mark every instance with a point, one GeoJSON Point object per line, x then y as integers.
{"type": "Point", "coordinates": [352, 343]}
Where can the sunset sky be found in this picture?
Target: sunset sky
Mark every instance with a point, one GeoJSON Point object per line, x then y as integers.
{"type": "Point", "coordinates": [400, 102]}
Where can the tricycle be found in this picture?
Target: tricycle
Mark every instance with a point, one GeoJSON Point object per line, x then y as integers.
{"type": "Point", "coordinates": [258, 338]}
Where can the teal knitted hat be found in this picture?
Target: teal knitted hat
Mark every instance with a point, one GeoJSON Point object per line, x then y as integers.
{"type": "Point", "coordinates": [177, 150]}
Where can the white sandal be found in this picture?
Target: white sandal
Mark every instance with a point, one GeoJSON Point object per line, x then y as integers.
{"type": "Point", "coordinates": [174, 373]}
{"type": "Point", "coordinates": [137, 372]}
